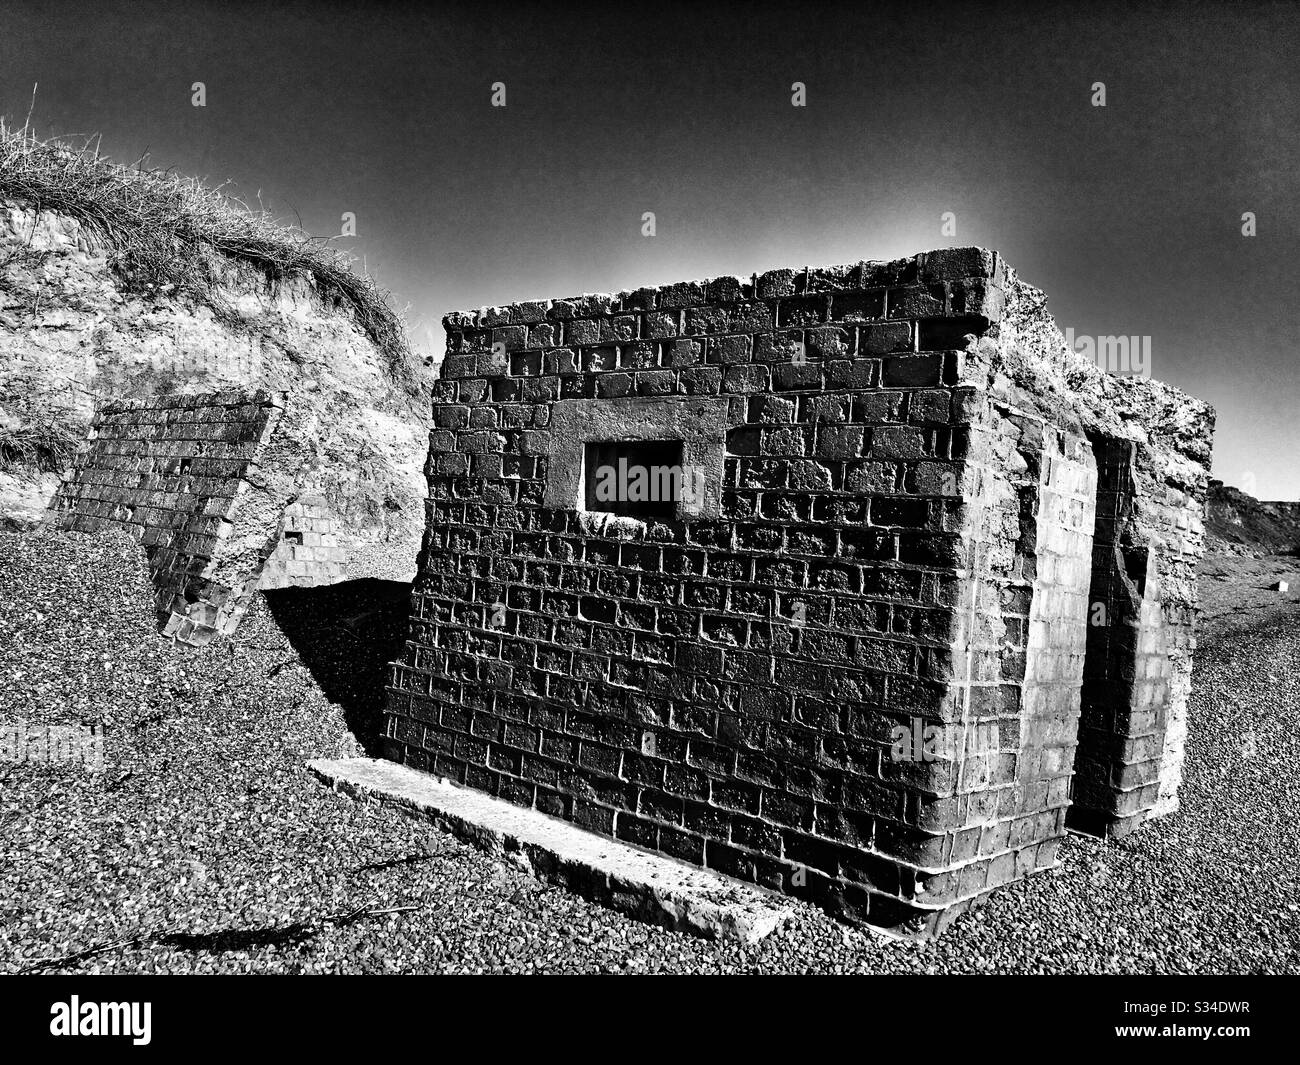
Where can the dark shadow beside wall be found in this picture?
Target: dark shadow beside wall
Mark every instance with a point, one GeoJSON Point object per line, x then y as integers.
{"type": "Point", "coordinates": [347, 634]}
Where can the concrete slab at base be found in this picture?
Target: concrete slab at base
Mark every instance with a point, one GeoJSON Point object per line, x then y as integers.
{"type": "Point", "coordinates": [650, 887]}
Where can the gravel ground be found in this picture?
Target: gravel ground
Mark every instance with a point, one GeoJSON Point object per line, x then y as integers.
{"type": "Point", "coordinates": [1237, 594]}
{"type": "Point", "coordinates": [204, 846]}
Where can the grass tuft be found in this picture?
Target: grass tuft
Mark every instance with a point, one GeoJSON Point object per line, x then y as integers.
{"type": "Point", "coordinates": [41, 447]}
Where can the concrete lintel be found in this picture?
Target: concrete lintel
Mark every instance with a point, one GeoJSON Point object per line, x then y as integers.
{"type": "Point", "coordinates": [700, 423]}
{"type": "Point", "coordinates": [649, 887]}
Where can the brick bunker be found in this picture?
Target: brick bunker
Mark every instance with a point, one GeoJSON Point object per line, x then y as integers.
{"type": "Point", "coordinates": [216, 494]}
{"type": "Point", "coordinates": [934, 603]}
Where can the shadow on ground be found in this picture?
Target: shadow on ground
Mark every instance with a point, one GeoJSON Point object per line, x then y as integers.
{"type": "Point", "coordinates": [347, 634]}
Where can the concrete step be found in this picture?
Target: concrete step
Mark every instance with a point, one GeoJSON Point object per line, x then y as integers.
{"type": "Point", "coordinates": [649, 887]}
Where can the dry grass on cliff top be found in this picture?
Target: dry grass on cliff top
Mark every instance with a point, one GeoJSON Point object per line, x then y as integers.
{"type": "Point", "coordinates": [162, 227]}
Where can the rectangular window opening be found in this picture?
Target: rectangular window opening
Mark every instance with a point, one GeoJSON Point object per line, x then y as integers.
{"type": "Point", "coordinates": [635, 479]}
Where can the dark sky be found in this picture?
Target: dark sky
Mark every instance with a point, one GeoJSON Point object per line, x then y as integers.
{"type": "Point", "coordinates": [1128, 216]}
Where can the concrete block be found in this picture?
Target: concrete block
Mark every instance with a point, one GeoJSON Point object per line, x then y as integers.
{"type": "Point", "coordinates": [651, 887]}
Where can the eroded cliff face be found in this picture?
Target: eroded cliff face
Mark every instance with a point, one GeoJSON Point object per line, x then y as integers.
{"type": "Point", "coordinates": [1240, 524]}
{"type": "Point", "coordinates": [74, 334]}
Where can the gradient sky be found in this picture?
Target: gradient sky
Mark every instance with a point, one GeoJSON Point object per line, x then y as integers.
{"type": "Point", "coordinates": [1128, 216]}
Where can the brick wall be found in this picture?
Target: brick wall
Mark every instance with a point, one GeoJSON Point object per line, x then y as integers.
{"type": "Point", "coordinates": [311, 550]}
{"type": "Point", "coordinates": [1139, 646]}
{"type": "Point", "coordinates": [895, 543]}
{"type": "Point", "coordinates": [203, 482]}
{"type": "Point", "coordinates": [1023, 616]}
{"type": "Point", "coordinates": [1153, 446]}
{"type": "Point", "coordinates": [727, 688]}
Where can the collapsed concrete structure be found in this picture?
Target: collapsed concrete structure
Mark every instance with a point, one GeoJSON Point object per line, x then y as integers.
{"type": "Point", "coordinates": [934, 603]}
{"type": "Point", "coordinates": [216, 490]}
